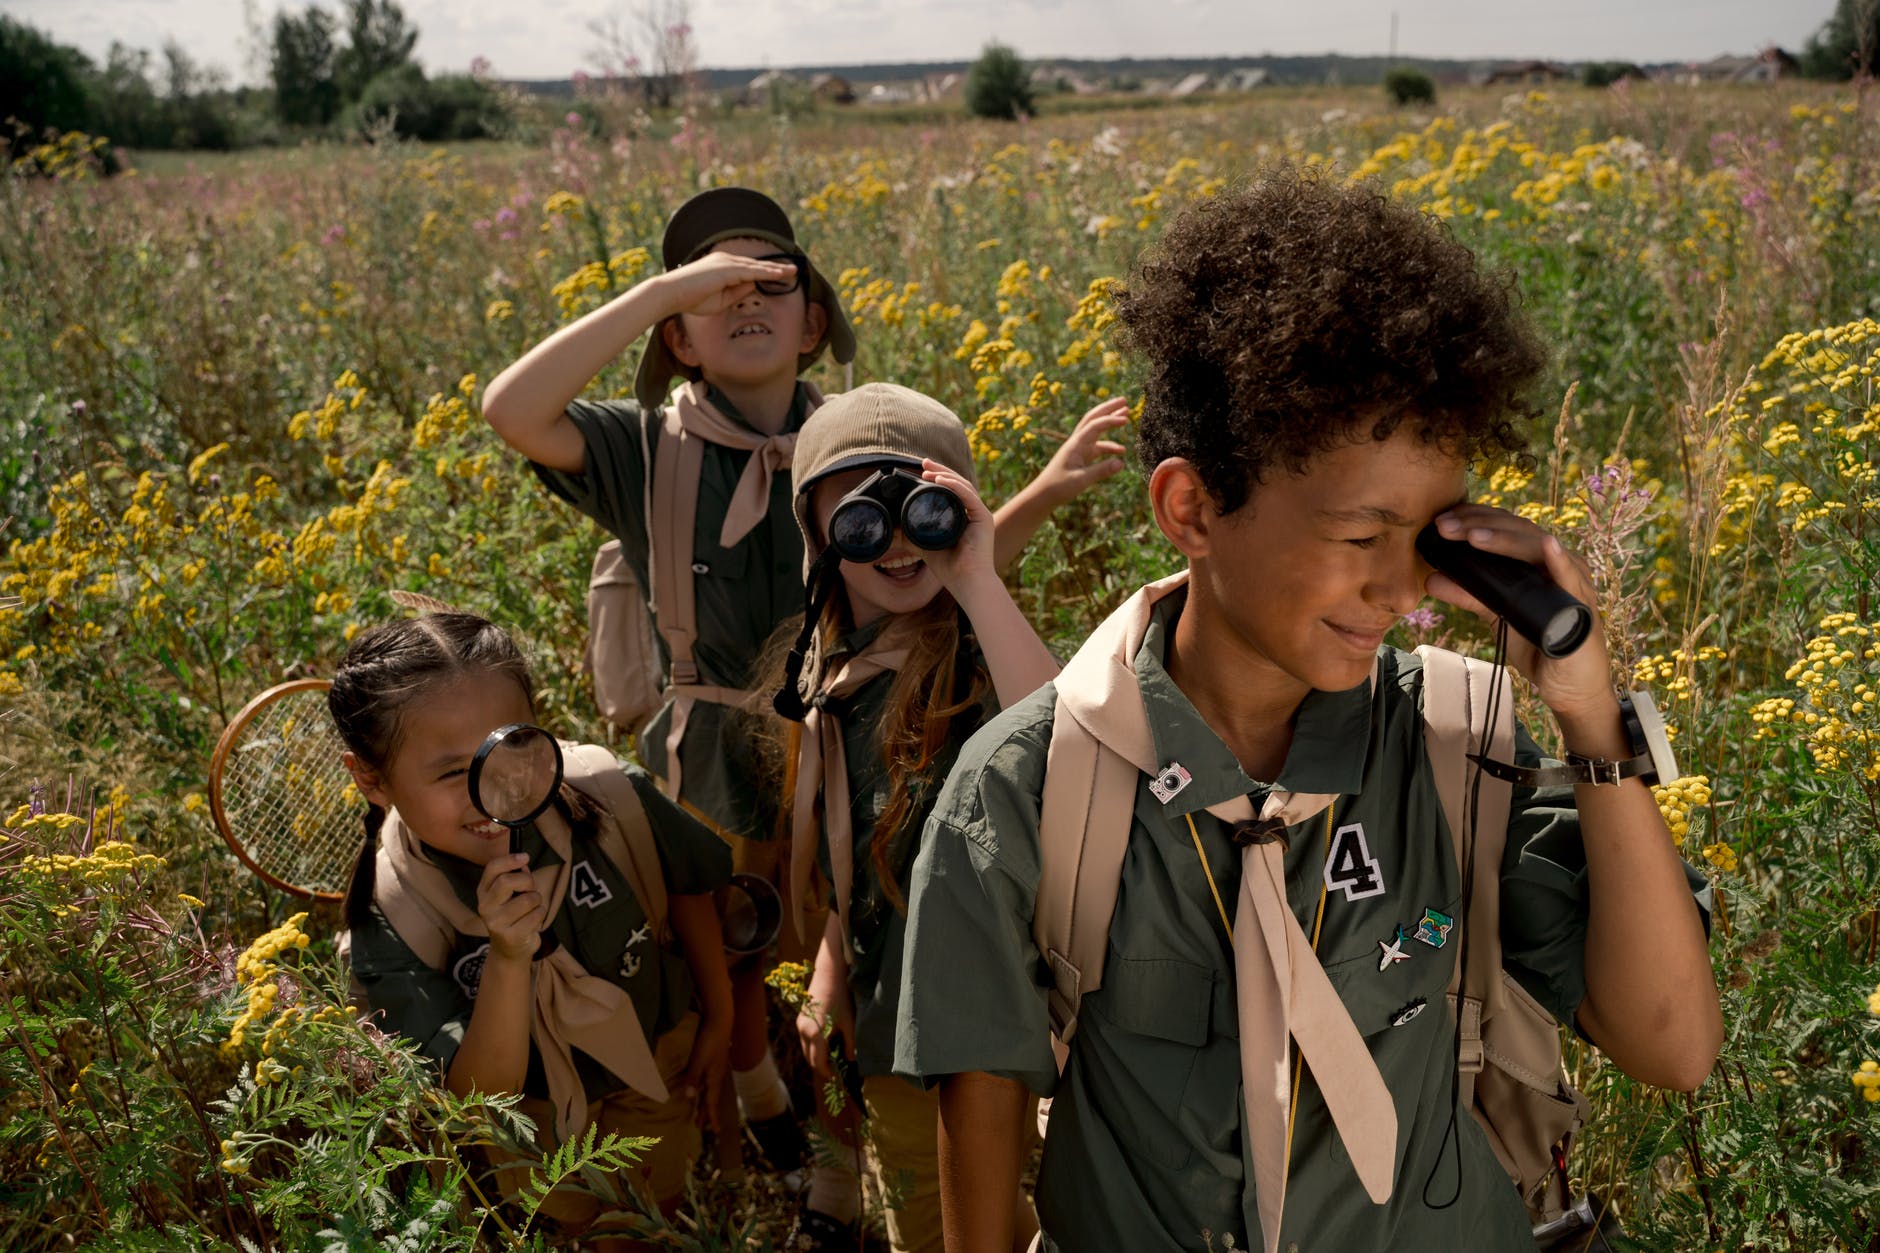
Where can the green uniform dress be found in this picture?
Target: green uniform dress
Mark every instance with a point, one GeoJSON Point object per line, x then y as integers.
{"type": "Point", "coordinates": [601, 924]}
{"type": "Point", "coordinates": [877, 927]}
{"type": "Point", "coordinates": [1147, 1149]}
{"type": "Point", "coordinates": [742, 592]}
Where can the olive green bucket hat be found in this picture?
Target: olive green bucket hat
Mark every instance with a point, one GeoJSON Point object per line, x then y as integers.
{"type": "Point", "coordinates": [709, 218]}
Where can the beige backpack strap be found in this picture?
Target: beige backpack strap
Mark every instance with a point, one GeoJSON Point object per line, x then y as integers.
{"type": "Point", "coordinates": [669, 533]}
{"type": "Point", "coordinates": [1084, 820]}
{"type": "Point", "coordinates": [422, 928]}
{"type": "Point", "coordinates": [627, 839]}
{"type": "Point", "coordinates": [1456, 695]}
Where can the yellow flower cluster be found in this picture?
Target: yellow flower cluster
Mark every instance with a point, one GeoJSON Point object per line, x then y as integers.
{"type": "Point", "coordinates": [1677, 799]}
{"type": "Point", "coordinates": [108, 864]}
{"type": "Point", "coordinates": [1840, 703]}
{"type": "Point", "coordinates": [255, 970]}
{"type": "Point", "coordinates": [1867, 1081]}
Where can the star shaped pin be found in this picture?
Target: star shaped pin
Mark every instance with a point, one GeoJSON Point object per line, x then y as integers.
{"type": "Point", "coordinates": [1393, 951]}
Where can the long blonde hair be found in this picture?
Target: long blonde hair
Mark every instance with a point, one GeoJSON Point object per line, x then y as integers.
{"type": "Point", "coordinates": [927, 694]}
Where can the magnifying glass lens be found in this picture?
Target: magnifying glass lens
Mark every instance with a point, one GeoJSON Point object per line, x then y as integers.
{"type": "Point", "coordinates": [521, 767]}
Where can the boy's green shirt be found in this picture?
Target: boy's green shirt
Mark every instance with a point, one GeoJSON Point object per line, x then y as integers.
{"type": "Point", "coordinates": [743, 593]}
{"type": "Point", "coordinates": [1146, 1149]}
{"type": "Point", "coordinates": [601, 923]}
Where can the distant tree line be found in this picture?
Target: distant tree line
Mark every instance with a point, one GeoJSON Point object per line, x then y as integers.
{"type": "Point", "coordinates": [1847, 44]}
{"type": "Point", "coordinates": [328, 74]}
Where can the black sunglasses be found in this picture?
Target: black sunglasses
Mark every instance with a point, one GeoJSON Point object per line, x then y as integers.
{"type": "Point", "coordinates": [784, 286]}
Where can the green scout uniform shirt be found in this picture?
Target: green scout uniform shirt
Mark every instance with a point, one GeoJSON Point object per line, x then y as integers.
{"type": "Point", "coordinates": [877, 928]}
{"type": "Point", "coordinates": [1147, 1147]}
{"type": "Point", "coordinates": [742, 592]}
{"type": "Point", "coordinates": [601, 923]}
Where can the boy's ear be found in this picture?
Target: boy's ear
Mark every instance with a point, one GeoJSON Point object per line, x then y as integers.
{"type": "Point", "coordinates": [366, 779]}
{"type": "Point", "coordinates": [815, 326]}
{"type": "Point", "coordinates": [672, 330]}
{"type": "Point", "coordinates": [1184, 508]}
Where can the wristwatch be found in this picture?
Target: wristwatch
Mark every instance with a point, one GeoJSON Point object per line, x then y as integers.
{"type": "Point", "coordinates": [1652, 759]}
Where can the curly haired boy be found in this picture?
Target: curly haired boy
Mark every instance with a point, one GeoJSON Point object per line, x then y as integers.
{"type": "Point", "coordinates": [1322, 368]}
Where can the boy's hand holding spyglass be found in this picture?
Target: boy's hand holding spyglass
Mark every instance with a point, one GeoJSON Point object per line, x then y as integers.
{"type": "Point", "coordinates": [1577, 683]}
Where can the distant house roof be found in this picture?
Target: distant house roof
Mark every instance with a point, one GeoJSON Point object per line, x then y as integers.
{"type": "Point", "coordinates": [1767, 66]}
{"type": "Point", "coordinates": [1246, 78]}
{"type": "Point", "coordinates": [833, 88]}
{"type": "Point", "coordinates": [1191, 84]}
{"type": "Point", "coordinates": [1531, 72]}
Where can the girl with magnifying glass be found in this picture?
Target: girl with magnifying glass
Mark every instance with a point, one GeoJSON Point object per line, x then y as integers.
{"type": "Point", "coordinates": [494, 924]}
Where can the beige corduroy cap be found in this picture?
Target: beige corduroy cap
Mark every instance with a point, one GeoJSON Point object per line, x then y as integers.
{"type": "Point", "coordinates": [878, 425]}
{"type": "Point", "coordinates": [709, 218]}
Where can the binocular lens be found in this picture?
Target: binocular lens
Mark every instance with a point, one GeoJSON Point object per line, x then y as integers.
{"type": "Point", "coordinates": [862, 526]}
{"type": "Point", "coordinates": [933, 518]}
{"type": "Point", "coordinates": [860, 530]}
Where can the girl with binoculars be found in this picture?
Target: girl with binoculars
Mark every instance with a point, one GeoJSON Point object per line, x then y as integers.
{"type": "Point", "coordinates": [910, 642]}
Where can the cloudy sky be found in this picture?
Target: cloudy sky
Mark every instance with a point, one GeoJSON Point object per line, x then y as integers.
{"type": "Point", "coordinates": [551, 39]}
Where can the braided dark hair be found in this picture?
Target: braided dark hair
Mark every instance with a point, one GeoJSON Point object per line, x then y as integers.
{"type": "Point", "coordinates": [387, 668]}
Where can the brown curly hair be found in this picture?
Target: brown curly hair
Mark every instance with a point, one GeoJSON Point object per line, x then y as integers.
{"type": "Point", "coordinates": [1282, 318]}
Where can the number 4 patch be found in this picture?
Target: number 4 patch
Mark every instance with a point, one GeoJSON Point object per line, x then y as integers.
{"type": "Point", "coordinates": [1350, 868]}
{"type": "Point", "coordinates": [588, 889]}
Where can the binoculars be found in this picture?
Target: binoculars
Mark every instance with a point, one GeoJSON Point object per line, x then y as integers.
{"type": "Point", "coordinates": [1520, 594]}
{"type": "Point", "coordinates": [863, 524]}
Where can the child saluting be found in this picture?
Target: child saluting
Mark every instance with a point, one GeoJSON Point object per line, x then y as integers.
{"type": "Point", "coordinates": [696, 489]}
{"type": "Point", "coordinates": [1322, 369]}
{"type": "Point", "coordinates": [542, 970]}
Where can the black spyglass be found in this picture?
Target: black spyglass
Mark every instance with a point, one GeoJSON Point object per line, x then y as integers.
{"type": "Point", "coordinates": [513, 779]}
{"type": "Point", "coordinates": [864, 522]}
{"type": "Point", "coordinates": [783, 286]}
{"type": "Point", "coordinates": [1540, 610]}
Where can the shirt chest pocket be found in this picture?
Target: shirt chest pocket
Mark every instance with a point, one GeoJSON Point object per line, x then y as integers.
{"type": "Point", "coordinates": [709, 561]}
{"type": "Point", "coordinates": [1155, 1025]}
{"type": "Point", "coordinates": [1404, 974]}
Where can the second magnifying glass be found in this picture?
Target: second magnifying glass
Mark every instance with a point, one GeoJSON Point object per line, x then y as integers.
{"type": "Point", "coordinates": [513, 779]}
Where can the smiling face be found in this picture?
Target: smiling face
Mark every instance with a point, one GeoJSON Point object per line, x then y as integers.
{"type": "Point", "coordinates": [428, 777]}
{"type": "Point", "coordinates": [1302, 582]}
{"type": "Point", "coordinates": [899, 581]}
{"type": "Point", "coordinates": [757, 340]}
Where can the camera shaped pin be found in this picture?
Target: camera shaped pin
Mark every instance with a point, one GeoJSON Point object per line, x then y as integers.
{"type": "Point", "coordinates": [1170, 780]}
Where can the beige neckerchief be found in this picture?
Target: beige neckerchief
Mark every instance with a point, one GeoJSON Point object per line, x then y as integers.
{"type": "Point", "coordinates": [572, 1008]}
{"type": "Point", "coordinates": [689, 423]}
{"type": "Point", "coordinates": [822, 774]}
{"type": "Point", "coordinates": [1281, 988]}
{"type": "Point", "coordinates": [750, 500]}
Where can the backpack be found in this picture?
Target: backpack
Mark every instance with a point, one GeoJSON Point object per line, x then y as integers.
{"type": "Point", "coordinates": [621, 653]}
{"type": "Point", "coordinates": [627, 841]}
{"type": "Point", "coordinates": [1509, 1069]}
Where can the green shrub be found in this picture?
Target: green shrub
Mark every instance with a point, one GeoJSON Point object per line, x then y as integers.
{"type": "Point", "coordinates": [454, 106]}
{"type": "Point", "coordinates": [998, 84]}
{"type": "Point", "coordinates": [1407, 86]}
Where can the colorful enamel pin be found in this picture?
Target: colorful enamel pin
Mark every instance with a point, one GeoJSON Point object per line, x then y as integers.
{"type": "Point", "coordinates": [1172, 779]}
{"type": "Point", "coordinates": [1393, 950]}
{"type": "Point", "coordinates": [1408, 1012]}
{"type": "Point", "coordinates": [1435, 927]}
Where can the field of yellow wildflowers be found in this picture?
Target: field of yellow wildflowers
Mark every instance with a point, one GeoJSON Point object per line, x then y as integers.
{"type": "Point", "coordinates": [239, 407]}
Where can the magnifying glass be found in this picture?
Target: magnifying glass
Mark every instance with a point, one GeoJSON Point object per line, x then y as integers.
{"type": "Point", "coordinates": [513, 779]}
{"type": "Point", "coordinates": [515, 775]}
